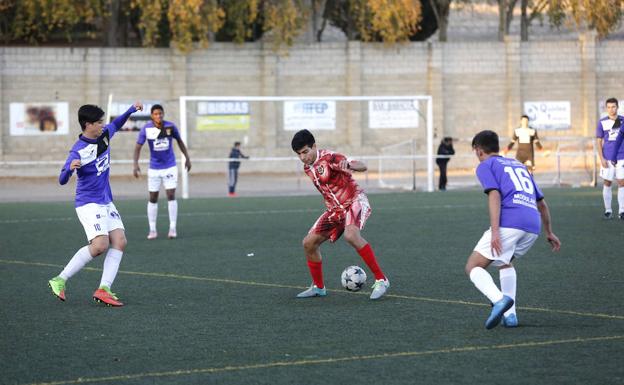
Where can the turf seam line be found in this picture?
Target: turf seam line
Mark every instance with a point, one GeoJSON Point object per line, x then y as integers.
{"type": "Point", "coordinates": [277, 364]}
{"type": "Point", "coordinates": [284, 286]}
{"type": "Point", "coordinates": [283, 211]}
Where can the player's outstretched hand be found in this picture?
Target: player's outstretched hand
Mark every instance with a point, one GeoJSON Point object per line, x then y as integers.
{"type": "Point", "coordinates": [75, 164]}
{"type": "Point", "coordinates": [138, 105]}
{"type": "Point", "coordinates": [495, 244]}
{"type": "Point", "coordinates": [555, 243]}
{"type": "Point", "coordinates": [344, 165]}
{"type": "Point", "coordinates": [136, 171]}
{"type": "Point", "coordinates": [604, 163]}
{"type": "Point", "coordinates": [187, 165]}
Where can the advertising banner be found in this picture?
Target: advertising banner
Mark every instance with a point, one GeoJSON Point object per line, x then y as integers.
{"type": "Point", "coordinates": [393, 114]}
{"type": "Point", "coordinates": [222, 116]}
{"type": "Point", "coordinates": [548, 115]}
{"type": "Point", "coordinates": [39, 118]}
{"type": "Point", "coordinates": [311, 115]}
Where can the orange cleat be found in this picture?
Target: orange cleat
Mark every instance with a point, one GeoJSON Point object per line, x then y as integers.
{"type": "Point", "coordinates": [104, 295]}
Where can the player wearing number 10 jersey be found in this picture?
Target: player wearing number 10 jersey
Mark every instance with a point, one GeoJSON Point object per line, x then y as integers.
{"type": "Point", "coordinates": [517, 210]}
{"type": "Point", "coordinates": [347, 211]}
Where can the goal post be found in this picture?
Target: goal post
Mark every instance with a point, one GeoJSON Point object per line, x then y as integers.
{"type": "Point", "coordinates": [426, 116]}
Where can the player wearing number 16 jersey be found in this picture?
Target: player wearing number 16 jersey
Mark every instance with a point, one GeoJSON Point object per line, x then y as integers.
{"type": "Point", "coordinates": [347, 211]}
{"type": "Point", "coordinates": [517, 210]}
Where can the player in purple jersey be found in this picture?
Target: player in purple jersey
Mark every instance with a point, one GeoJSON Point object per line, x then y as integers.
{"type": "Point", "coordinates": [607, 132]}
{"type": "Point", "coordinates": [516, 207]}
{"type": "Point", "coordinates": [159, 135]}
{"type": "Point", "coordinates": [90, 157]}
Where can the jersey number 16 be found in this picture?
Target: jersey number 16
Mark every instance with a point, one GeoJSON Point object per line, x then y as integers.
{"type": "Point", "coordinates": [520, 178]}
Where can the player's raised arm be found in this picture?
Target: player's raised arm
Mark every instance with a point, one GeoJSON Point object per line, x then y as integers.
{"type": "Point", "coordinates": [119, 121]}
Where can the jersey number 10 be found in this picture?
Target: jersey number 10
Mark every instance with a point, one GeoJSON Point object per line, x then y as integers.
{"type": "Point", "coordinates": [520, 178]}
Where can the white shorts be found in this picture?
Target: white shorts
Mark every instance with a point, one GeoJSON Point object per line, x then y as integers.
{"type": "Point", "coordinates": [515, 243]}
{"type": "Point", "coordinates": [99, 219]}
{"type": "Point", "coordinates": [616, 171]}
{"type": "Point", "coordinates": [167, 176]}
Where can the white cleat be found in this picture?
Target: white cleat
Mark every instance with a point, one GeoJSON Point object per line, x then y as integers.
{"type": "Point", "coordinates": [379, 288]}
{"type": "Point", "coordinates": [172, 234]}
{"type": "Point", "coordinates": [312, 291]}
{"type": "Point", "coordinates": [152, 235]}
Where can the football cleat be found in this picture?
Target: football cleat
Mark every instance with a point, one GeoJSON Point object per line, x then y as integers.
{"type": "Point", "coordinates": [105, 296]}
{"type": "Point", "coordinates": [379, 288]}
{"type": "Point", "coordinates": [510, 321]}
{"type": "Point", "coordinates": [498, 310]}
{"type": "Point", "coordinates": [608, 215]}
{"type": "Point", "coordinates": [621, 215]}
{"type": "Point", "coordinates": [172, 234]}
{"type": "Point", "coordinates": [152, 235]}
{"type": "Point", "coordinates": [57, 284]}
{"type": "Point", "coordinates": [312, 291]}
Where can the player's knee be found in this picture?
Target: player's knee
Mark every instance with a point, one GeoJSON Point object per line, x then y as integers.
{"type": "Point", "coordinates": [468, 268]}
{"type": "Point", "coordinates": [309, 244]}
{"type": "Point", "coordinates": [120, 243]}
{"type": "Point", "coordinates": [98, 245]}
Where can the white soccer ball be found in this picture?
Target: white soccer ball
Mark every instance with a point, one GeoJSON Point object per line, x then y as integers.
{"type": "Point", "coordinates": [353, 278]}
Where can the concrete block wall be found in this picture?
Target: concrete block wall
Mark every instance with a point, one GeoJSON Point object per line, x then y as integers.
{"type": "Point", "coordinates": [475, 85]}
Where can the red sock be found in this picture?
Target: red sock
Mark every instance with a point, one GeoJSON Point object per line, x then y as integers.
{"type": "Point", "coordinates": [316, 271]}
{"type": "Point", "coordinates": [368, 256]}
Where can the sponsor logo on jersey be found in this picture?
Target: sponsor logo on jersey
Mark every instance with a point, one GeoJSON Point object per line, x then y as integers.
{"type": "Point", "coordinates": [102, 164]}
{"type": "Point", "coordinates": [87, 154]}
{"type": "Point", "coordinates": [161, 144]}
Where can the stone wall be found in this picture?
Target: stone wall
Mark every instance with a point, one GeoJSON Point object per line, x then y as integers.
{"type": "Point", "coordinates": [475, 85]}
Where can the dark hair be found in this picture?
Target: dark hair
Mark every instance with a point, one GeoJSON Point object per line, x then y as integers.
{"type": "Point", "coordinates": [612, 100]}
{"type": "Point", "coordinates": [156, 107]}
{"type": "Point", "coordinates": [525, 116]}
{"type": "Point", "coordinates": [301, 139]}
{"type": "Point", "coordinates": [236, 144]}
{"type": "Point", "coordinates": [487, 141]}
{"type": "Point", "coordinates": [89, 113]}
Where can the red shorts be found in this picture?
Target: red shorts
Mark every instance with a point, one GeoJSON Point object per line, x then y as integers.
{"type": "Point", "coordinates": [332, 223]}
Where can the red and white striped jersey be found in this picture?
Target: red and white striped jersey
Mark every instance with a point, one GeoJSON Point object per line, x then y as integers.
{"type": "Point", "coordinates": [337, 186]}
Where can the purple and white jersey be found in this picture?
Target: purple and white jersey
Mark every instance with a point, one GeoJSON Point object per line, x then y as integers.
{"type": "Point", "coordinates": [160, 144]}
{"type": "Point", "coordinates": [94, 154]}
{"type": "Point", "coordinates": [519, 193]}
{"type": "Point", "coordinates": [608, 130]}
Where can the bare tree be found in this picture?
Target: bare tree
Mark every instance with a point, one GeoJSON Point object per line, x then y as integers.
{"type": "Point", "coordinates": [441, 9]}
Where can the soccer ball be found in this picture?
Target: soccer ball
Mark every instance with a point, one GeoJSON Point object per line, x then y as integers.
{"type": "Point", "coordinates": [353, 278]}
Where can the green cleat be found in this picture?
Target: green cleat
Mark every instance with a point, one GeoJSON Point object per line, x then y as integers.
{"type": "Point", "coordinates": [57, 284]}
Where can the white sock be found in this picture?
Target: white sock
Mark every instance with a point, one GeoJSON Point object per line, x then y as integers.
{"type": "Point", "coordinates": [607, 196]}
{"type": "Point", "coordinates": [621, 200]}
{"type": "Point", "coordinates": [78, 261]}
{"type": "Point", "coordinates": [152, 213]}
{"type": "Point", "coordinates": [111, 266]}
{"type": "Point", "coordinates": [484, 282]}
{"type": "Point", "coordinates": [173, 214]}
{"type": "Point", "coordinates": [508, 286]}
